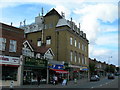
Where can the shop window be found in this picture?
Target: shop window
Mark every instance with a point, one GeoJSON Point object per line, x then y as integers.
{"type": "Point", "coordinates": [9, 73]}
{"type": "Point", "coordinates": [39, 43]}
{"type": "Point", "coordinates": [13, 45]}
{"type": "Point", "coordinates": [2, 44]}
{"type": "Point", "coordinates": [71, 41]}
{"type": "Point", "coordinates": [48, 40]}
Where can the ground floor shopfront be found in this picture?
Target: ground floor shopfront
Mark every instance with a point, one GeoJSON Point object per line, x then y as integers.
{"type": "Point", "coordinates": [78, 72]}
{"type": "Point", "coordinates": [10, 67]}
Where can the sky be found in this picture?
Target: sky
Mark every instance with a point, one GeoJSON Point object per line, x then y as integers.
{"type": "Point", "coordinates": [98, 19]}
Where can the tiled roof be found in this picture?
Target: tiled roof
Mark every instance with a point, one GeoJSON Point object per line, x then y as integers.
{"type": "Point", "coordinates": [43, 49]}
{"type": "Point", "coordinates": [53, 12]}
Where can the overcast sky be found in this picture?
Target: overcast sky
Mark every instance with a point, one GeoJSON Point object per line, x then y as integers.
{"type": "Point", "coordinates": [98, 18]}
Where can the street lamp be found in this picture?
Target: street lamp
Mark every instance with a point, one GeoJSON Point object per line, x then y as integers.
{"type": "Point", "coordinates": [109, 63]}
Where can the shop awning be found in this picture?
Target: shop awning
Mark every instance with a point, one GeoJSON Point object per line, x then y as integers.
{"type": "Point", "coordinates": [60, 71]}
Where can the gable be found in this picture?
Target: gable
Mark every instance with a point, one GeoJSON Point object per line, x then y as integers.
{"type": "Point", "coordinates": [49, 54]}
{"type": "Point", "coordinates": [26, 44]}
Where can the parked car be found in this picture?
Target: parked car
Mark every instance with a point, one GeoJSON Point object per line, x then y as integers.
{"type": "Point", "coordinates": [111, 76]}
{"type": "Point", "coordinates": [94, 78]}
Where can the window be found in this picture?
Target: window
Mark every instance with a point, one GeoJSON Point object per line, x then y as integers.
{"type": "Point", "coordinates": [71, 55]}
{"type": "Point", "coordinates": [39, 42]}
{"type": "Point", "coordinates": [75, 56]}
{"type": "Point", "coordinates": [48, 40]}
{"type": "Point", "coordinates": [2, 44]}
{"type": "Point", "coordinates": [12, 46]}
{"type": "Point", "coordinates": [75, 43]}
{"type": "Point", "coordinates": [79, 58]}
{"type": "Point", "coordinates": [83, 59]}
{"type": "Point", "coordinates": [79, 45]}
{"type": "Point", "coordinates": [83, 47]}
{"type": "Point", "coordinates": [71, 41]}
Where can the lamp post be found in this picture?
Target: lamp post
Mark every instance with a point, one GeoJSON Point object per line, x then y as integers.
{"type": "Point", "coordinates": [108, 63]}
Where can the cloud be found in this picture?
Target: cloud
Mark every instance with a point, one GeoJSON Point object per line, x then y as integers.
{"type": "Point", "coordinates": [90, 14]}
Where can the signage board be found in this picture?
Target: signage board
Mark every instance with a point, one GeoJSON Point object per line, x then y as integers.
{"type": "Point", "coordinates": [9, 60]}
{"type": "Point", "coordinates": [55, 66]}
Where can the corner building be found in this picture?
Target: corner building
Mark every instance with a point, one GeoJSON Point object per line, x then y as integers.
{"type": "Point", "coordinates": [68, 42]}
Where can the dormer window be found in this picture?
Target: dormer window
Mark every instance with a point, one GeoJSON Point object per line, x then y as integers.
{"type": "Point", "coordinates": [48, 40]}
{"type": "Point", "coordinates": [39, 42]}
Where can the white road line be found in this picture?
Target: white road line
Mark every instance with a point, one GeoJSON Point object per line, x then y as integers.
{"type": "Point", "coordinates": [92, 87]}
{"type": "Point", "coordinates": [101, 85]}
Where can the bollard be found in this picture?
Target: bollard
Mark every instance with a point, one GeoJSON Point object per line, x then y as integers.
{"type": "Point", "coordinates": [11, 85]}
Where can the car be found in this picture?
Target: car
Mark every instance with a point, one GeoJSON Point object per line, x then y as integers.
{"type": "Point", "coordinates": [94, 78]}
{"type": "Point", "coordinates": [111, 76]}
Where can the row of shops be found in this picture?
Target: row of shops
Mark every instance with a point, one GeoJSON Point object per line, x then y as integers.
{"type": "Point", "coordinates": [25, 71]}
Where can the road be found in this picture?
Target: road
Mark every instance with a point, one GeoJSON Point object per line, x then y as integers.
{"type": "Point", "coordinates": [103, 83]}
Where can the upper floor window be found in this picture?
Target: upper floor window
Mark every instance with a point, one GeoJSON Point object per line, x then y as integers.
{"type": "Point", "coordinates": [79, 45]}
{"type": "Point", "coordinates": [71, 41]}
{"type": "Point", "coordinates": [12, 46]}
{"type": "Point", "coordinates": [75, 43]}
{"type": "Point", "coordinates": [71, 55]}
{"type": "Point", "coordinates": [2, 44]}
{"type": "Point", "coordinates": [83, 47]}
{"type": "Point", "coordinates": [39, 42]}
{"type": "Point", "coordinates": [48, 40]}
{"type": "Point", "coordinates": [79, 58]}
{"type": "Point", "coordinates": [83, 59]}
{"type": "Point", "coordinates": [75, 56]}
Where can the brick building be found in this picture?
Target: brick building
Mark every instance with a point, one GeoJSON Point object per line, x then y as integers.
{"type": "Point", "coordinates": [11, 39]}
{"type": "Point", "coordinates": [68, 42]}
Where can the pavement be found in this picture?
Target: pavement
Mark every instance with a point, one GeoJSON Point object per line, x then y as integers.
{"type": "Point", "coordinates": [70, 84]}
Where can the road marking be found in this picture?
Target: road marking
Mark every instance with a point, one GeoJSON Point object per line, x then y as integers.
{"type": "Point", "coordinates": [106, 83]}
{"type": "Point", "coordinates": [92, 87]}
{"type": "Point", "coordinates": [100, 85]}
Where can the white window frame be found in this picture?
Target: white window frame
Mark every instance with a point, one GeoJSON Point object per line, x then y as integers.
{"type": "Point", "coordinates": [75, 43]}
{"type": "Point", "coordinates": [79, 45]}
{"type": "Point", "coordinates": [82, 47]}
{"type": "Point", "coordinates": [71, 55]}
{"type": "Point", "coordinates": [2, 44]}
{"type": "Point", "coordinates": [13, 46]}
{"type": "Point", "coordinates": [39, 43]}
{"type": "Point", "coordinates": [71, 41]}
{"type": "Point", "coordinates": [48, 40]}
{"type": "Point", "coordinates": [79, 58]}
{"type": "Point", "coordinates": [75, 57]}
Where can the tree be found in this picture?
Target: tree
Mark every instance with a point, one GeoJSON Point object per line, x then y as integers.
{"type": "Point", "coordinates": [117, 68]}
{"type": "Point", "coordinates": [92, 68]}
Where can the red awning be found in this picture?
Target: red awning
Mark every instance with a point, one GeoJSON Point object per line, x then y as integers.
{"type": "Point", "coordinates": [60, 71]}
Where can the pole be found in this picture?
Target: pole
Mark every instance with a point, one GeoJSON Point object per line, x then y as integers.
{"type": "Point", "coordinates": [47, 73]}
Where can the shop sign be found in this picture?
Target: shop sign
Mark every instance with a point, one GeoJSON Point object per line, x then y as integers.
{"type": "Point", "coordinates": [84, 68]}
{"type": "Point", "coordinates": [51, 66]}
{"type": "Point", "coordinates": [9, 60]}
{"type": "Point", "coordinates": [35, 62]}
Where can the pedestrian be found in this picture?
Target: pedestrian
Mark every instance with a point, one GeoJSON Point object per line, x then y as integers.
{"type": "Point", "coordinates": [38, 79]}
{"type": "Point", "coordinates": [55, 80]}
{"type": "Point", "coordinates": [64, 81]}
